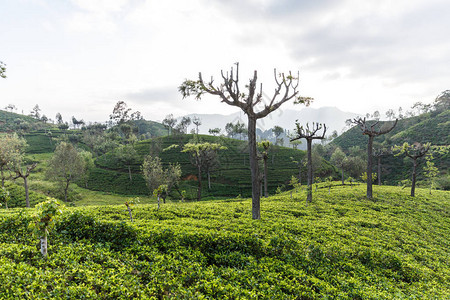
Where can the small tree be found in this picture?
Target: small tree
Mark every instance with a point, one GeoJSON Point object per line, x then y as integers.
{"type": "Point", "coordinates": [130, 202]}
{"type": "Point", "coordinates": [414, 152]}
{"type": "Point", "coordinates": [127, 156]}
{"type": "Point", "coordinates": [200, 154]}
{"type": "Point", "coordinates": [197, 122]}
{"type": "Point", "coordinates": [338, 158]}
{"type": "Point", "coordinates": [4, 196]}
{"type": "Point", "coordinates": [278, 131]}
{"type": "Point", "coordinates": [12, 148]}
{"type": "Point", "coordinates": [160, 190]}
{"type": "Point", "coordinates": [310, 135]}
{"type": "Point", "coordinates": [35, 112]}
{"type": "Point", "coordinates": [46, 212]}
{"type": "Point", "coordinates": [66, 166]}
{"type": "Point", "coordinates": [169, 122]}
{"type": "Point", "coordinates": [155, 176]}
{"type": "Point", "coordinates": [371, 131]}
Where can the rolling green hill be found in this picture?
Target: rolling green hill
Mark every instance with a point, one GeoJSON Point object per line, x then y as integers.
{"type": "Point", "coordinates": [230, 179]}
{"type": "Point", "coordinates": [431, 127]}
{"type": "Point", "coordinates": [12, 122]}
{"type": "Point", "coordinates": [342, 246]}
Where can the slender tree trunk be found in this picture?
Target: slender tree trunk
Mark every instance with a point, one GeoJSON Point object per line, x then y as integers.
{"type": "Point", "coordinates": [254, 168]}
{"type": "Point", "coordinates": [209, 180]}
{"type": "Point", "coordinates": [369, 167]}
{"type": "Point", "coordinates": [25, 184]}
{"type": "Point", "coordinates": [413, 182]}
{"type": "Point", "coordinates": [266, 192]}
{"type": "Point", "coordinates": [44, 244]}
{"type": "Point", "coordinates": [129, 213]}
{"type": "Point", "coordinates": [129, 172]}
{"type": "Point", "coordinates": [379, 171]}
{"type": "Point", "coordinates": [3, 177]}
{"type": "Point", "coordinates": [199, 188]}
{"type": "Point", "coordinates": [342, 176]}
{"type": "Point", "coordinates": [310, 171]}
{"type": "Point", "coordinates": [300, 174]}
{"type": "Point", "coordinates": [66, 190]}
{"type": "Point", "coordinates": [158, 197]}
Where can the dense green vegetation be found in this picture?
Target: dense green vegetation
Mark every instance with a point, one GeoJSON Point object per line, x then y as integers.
{"type": "Point", "coordinates": [232, 177]}
{"type": "Point", "coordinates": [342, 246]}
{"type": "Point", "coordinates": [13, 122]}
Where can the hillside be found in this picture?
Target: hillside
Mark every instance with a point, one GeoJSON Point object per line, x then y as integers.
{"type": "Point", "coordinates": [230, 179]}
{"type": "Point", "coordinates": [431, 127]}
{"type": "Point", "coordinates": [341, 246]}
{"type": "Point", "coordinates": [13, 122]}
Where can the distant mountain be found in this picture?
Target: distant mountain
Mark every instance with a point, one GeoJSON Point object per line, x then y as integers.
{"type": "Point", "coordinates": [333, 117]}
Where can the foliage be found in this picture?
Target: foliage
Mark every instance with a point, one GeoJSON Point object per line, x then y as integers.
{"type": "Point", "coordinates": [342, 246]}
{"type": "Point", "coordinates": [4, 196]}
{"type": "Point", "coordinates": [44, 218]}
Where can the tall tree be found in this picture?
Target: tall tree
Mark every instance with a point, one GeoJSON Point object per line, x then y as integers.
{"type": "Point", "coordinates": [339, 158]}
{"type": "Point", "coordinates": [127, 155]}
{"type": "Point", "coordinates": [169, 122]}
{"type": "Point", "coordinates": [378, 152]}
{"type": "Point", "coordinates": [310, 134]}
{"type": "Point", "coordinates": [35, 112]}
{"type": "Point", "coordinates": [200, 154]}
{"type": "Point", "coordinates": [12, 148]}
{"type": "Point", "coordinates": [369, 129]}
{"type": "Point", "coordinates": [230, 93]}
{"type": "Point", "coordinates": [414, 152]}
{"type": "Point", "coordinates": [277, 131]}
{"type": "Point", "coordinates": [182, 127]}
{"type": "Point", "coordinates": [66, 166]}
{"type": "Point", "coordinates": [197, 122]}
{"type": "Point", "coordinates": [2, 70]}
{"type": "Point", "coordinates": [59, 119]}
{"type": "Point", "coordinates": [265, 156]}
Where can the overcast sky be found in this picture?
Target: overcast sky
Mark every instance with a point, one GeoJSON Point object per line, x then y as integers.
{"type": "Point", "coordinates": [79, 57]}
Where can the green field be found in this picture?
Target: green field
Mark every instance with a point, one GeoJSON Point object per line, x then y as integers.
{"type": "Point", "coordinates": [342, 246]}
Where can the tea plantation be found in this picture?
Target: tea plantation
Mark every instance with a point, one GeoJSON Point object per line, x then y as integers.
{"type": "Point", "coordinates": [342, 246]}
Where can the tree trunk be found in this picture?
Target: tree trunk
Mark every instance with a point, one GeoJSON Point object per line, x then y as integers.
{"type": "Point", "coordinates": [369, 167]}
{"type": "Point", "coordinates": [3, 177]}
{"type": "Point", "coordinates": [199, 188]}
{"type": "Point", "coordinates": [266, 192]}
{"type": "Point", "coordinates": [256, 205]}
{"type": "Point", "coordinates": [310, 171]}
{"type": "Point", "coordinates": [209, 180]}
{"type": "Point", "coordinates": [413, 182]}
{"type": "Point", "coordinates": [300, 174]}
{"type": "Point", "coordinates": [158, 200]}
{"type": "Point", "coordinates": [379, 171]}
{"type": "Point", "coordinates": [342, 176]}
{"type": "Point", "coordinates": [129, 172]}
{"type": "Point", "coordinates": [27, 197]}
{"type": "Point", "coordinates": [129, 213]}
{"type": "Point", "coordinates": [44, 245]}
{"type": "Point", "coordinates": [66, 190]}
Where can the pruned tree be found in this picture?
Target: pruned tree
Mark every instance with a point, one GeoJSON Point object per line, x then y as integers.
{"type": "Point", "coordinates": [310, 134]}
{"type": "Point", "coordinates": [201, 156]}
{"type": "Point", "coordinates": [66, 166]}
{"type": "Point", "coordinates": [370, 129]}
{"type": "Point", "coordinates": [230, 93]}
{"type": "Point", "coordinates": [414, 152]}
{"type": "Point", "coordinates": [379, 152]}
{"type": "Point", "coordinates": [197, 122]}
{"type": "Point", "coordinates": [265, 145]}
{"type": "Point", "coordinates": [169, 122]}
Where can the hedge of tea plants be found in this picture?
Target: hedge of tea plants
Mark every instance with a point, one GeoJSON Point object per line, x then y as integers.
{"type": "Point", "coordinates": [342, 246]}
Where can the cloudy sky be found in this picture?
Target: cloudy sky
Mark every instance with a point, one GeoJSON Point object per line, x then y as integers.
{"type": "Point", "coordinates": [79, 57]}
